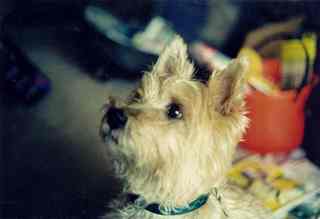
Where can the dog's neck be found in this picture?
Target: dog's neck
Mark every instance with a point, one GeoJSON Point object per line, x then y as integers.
{"type": "Point", "coordinates": [174, 187]}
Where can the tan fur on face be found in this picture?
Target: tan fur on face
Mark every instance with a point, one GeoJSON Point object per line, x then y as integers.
{"type": "Point", "coordinates": [172, 161]}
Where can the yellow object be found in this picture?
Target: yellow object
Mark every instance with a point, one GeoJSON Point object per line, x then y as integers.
{"type": "Point", "coordinates": [293, 57]}
{"type": "Point", "coordinates": [255, 75]}
{"type": "Point", "coordinates": [310, 42]}
{"type": "Point", "coordinates": [255, 62]}
{"type": "Point", "coordinates": [284, 184]}
{"type": "Point", "coordinates": [266, 181]}
{"type": "Point", "coordinates": [263, 85]}
{"type": "Point", "coordinates": [292, 50]}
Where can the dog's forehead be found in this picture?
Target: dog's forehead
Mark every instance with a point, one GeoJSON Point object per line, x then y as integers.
{"type": "Point", "coordinates": [172, 88]}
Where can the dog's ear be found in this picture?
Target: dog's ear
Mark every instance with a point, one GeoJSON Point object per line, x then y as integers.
{"type": "Point", "coordinates": [227, 87]}
{"type": "Point", "coordinates": [173, 61]}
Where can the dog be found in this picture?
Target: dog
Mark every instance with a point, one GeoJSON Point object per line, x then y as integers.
{"type": "Point", "coordinates": [173, 142]}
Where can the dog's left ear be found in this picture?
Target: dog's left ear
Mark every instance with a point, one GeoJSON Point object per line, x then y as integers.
{"type": "Point", "coordinates": [173, 61]}
{"type": "Point", "coordinates": [227, 87]}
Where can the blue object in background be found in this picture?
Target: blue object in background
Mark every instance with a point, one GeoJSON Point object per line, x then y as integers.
{"type": "Point", "coordinates": [187, 17]}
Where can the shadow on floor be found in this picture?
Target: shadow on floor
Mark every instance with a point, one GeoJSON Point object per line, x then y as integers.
{"type": "Point", "coordinates": [55, 164]}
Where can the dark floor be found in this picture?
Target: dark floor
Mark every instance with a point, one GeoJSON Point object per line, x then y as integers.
{"type": "Point", "coordinates": [55, 164]}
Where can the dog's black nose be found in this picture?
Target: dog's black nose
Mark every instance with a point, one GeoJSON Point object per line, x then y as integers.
{"type": "Point", "coordinates": [116, 118]}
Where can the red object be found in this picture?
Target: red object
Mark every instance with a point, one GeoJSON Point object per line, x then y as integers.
{"type": "Point", "coordinates": [276, 122]}
{"type": "Point", "coordinates": [272, 70]}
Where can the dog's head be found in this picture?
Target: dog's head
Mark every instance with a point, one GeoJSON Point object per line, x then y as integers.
{"type": "Point", "coordinates": [172, 121]}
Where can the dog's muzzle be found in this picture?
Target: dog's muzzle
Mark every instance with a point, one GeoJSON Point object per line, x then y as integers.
{"type": "Point", "coordinates": [116, 118]}
{"type": "Point", "coordinates": [113, 121]}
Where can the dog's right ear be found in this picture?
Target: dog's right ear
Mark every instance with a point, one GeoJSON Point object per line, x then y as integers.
{"type": "Point", "coordinates": [227, 87]}
{"type": "Point", "coordinates": [173, 61]}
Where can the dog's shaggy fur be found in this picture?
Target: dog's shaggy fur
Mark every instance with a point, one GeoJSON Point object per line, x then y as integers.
{"type": "Point", "coordinates": [173, 161]}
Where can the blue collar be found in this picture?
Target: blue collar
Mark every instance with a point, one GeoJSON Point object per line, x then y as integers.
{"type": "Point", "coordinates": [159, 209]}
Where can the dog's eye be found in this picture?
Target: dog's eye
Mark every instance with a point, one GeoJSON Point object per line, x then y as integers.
{"type": "Point", "coordinates": [174, 111]}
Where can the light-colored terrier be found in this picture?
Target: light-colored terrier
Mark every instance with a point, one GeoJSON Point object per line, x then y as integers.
{"type": "Point", "coordinates": [173, 143]}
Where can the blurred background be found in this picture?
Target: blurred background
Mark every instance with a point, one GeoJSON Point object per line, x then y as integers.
{"type": "Point", "coordinates": [60, 60]}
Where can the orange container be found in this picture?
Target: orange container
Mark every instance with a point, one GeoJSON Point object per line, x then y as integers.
{"type": "Point", "coordinates": [277, 121]}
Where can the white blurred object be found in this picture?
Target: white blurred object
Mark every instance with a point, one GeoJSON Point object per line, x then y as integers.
{"type": "Point", "coordinates": [154, 37]}
{"type": "Point", "coordinates": [208, 56]}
